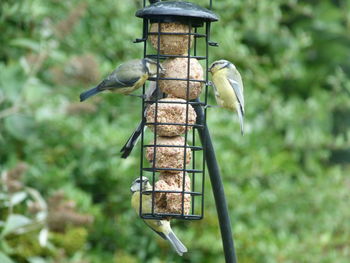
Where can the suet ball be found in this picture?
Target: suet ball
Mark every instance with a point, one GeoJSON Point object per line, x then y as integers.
{"type": "Point", "coordinates": [171, 44]}
{"type": "Point", "coordinates": [177, 68]}
{"type": "Point", "coordinates": [170, 113]}
{"type": "Point", "coordinates": [169, 157]}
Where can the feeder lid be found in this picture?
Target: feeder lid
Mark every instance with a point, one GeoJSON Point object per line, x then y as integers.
{"type": "Point", "coordinates": [177, 11]}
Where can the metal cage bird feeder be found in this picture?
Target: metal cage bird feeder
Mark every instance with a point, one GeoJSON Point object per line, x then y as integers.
{"type": "Point", "coordinates": [175, 29]}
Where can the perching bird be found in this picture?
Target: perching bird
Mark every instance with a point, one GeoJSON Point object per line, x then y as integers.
{"type": "Point", "coordinates": [151, 94]}
{"type": "Point", "coordinates": [228, 87]}
{"type": "Point", "coordinates": [161, 227]}
{"type": "Point", "coordinates": [126, 78]}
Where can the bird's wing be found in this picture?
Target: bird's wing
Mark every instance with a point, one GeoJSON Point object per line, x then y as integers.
{"type": "Point", "coordinates": [125, 75]}
{"type": "Point", "coordinates": [129, 72]}
{"type": "Point", "coordinates": [131, 82]}
{"type": "Point", "coordinates": [236, 82]}
{"type": "Point", "coordinates": [146, 208]}
{"type": "Point", "coordinates": [159, 233]}
{"type": "Point", "coordinates": [114, 80]}
{"type": "Point", "coordinates": [154, 225]}
{"type": "Point", "coordinates": [236, 88]}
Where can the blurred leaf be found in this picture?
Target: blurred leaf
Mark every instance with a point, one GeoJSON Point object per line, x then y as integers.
{"type": "Point", "coordinates": [13, 222]}
{"type": "Point", "coordinates": [17, 198]}
{"type": "Point", "coordinates": [12, 80]}
{"type": "Point", "coordinates": [5, 259]}
{"type": "Point", "coordinates": [25, 43]}
{"type": "Point", "coordinates": [20, 126]}
{"type": "Point", "coordinates": [4, 247]}
{"type": "Point", "coordinates": [43, 236]}
{"type": "Point", "coordinates": [36, 196]}
{"type": "Point", "coordinates": [3, 196]}
{"type": "Point", "coordinates": [36, 260]}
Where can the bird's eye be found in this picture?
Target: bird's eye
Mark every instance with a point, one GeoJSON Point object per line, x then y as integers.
{"type": "Point", "coordinates": [137, 181]}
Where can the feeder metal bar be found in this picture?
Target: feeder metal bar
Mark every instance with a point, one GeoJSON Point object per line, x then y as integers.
{"type": "Point", "coordinates": [176, 102]}
{"type": "Point", "coordinates": [151, 169]}
{"type": "Point", "coordinates": [164, 56]}
{"type": "Point", "coordinates": [174, 216]}
{"type": "Point", "coordinates": [181, 79]}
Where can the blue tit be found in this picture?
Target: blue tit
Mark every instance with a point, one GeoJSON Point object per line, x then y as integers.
{"type": "Point", "coordinates": [161, 227]}
{"type": "Point", "coordinates": [126, 78]}
{"type": "Point", "coordinates": [228, 87]}
{"type": "Point", "coordinates": [152, 93]}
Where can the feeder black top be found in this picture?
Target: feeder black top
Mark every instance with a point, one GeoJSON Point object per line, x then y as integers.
{"type": "Point", "coordinates": [177, 11]}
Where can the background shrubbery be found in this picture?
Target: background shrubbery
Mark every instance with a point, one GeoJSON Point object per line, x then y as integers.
{"type": "Point", "coordinates": [287, 180]}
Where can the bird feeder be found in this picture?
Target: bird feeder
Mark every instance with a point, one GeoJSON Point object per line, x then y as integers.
{"type": "Point", "coordinates": [171, 33]}
{"type": "Point", "coordinates": [174, 159]}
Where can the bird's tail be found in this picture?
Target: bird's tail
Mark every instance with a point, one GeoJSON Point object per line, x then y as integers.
{"type": "Point", "coordinates": [240, 113]}
{"type": "Point", "coordinates": [89, 93]}
{"type": "Point", "coordinates": [132, 141]}
{"type": "Point", "coordinates": [93, 91]}
{"type": "Point", "coordinates": [176, 243]}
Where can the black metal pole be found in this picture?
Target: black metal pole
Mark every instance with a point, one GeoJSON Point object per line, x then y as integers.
{"type": "Point", "coordinates": [218, 188]}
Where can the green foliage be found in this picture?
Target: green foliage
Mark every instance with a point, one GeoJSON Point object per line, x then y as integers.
{"type": "Point", "coordinates": [286, 179]}
{"type": "Point", "coordinates": [71, 241]}
{"type": "Point", "coordinates": [124, 257]}
{"type": "Point", "coordinates": [5, 259]}
{"type": "Point", "coordinates": [26, 246]}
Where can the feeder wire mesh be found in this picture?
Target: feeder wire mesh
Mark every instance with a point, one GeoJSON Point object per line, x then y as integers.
{"type": "Point", "coordinates": [192, 192]}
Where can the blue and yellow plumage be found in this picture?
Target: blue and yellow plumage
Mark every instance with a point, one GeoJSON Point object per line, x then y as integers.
{"type": "Point", "coordinates": [161, 227]}
{"type": "Point", "coordinates": [228, 87]}
{"type": "Point", "coordinates": [126, 78]}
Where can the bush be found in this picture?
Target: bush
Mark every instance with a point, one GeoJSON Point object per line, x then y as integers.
{"type": "Point", "coordinates": [285, 180]}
